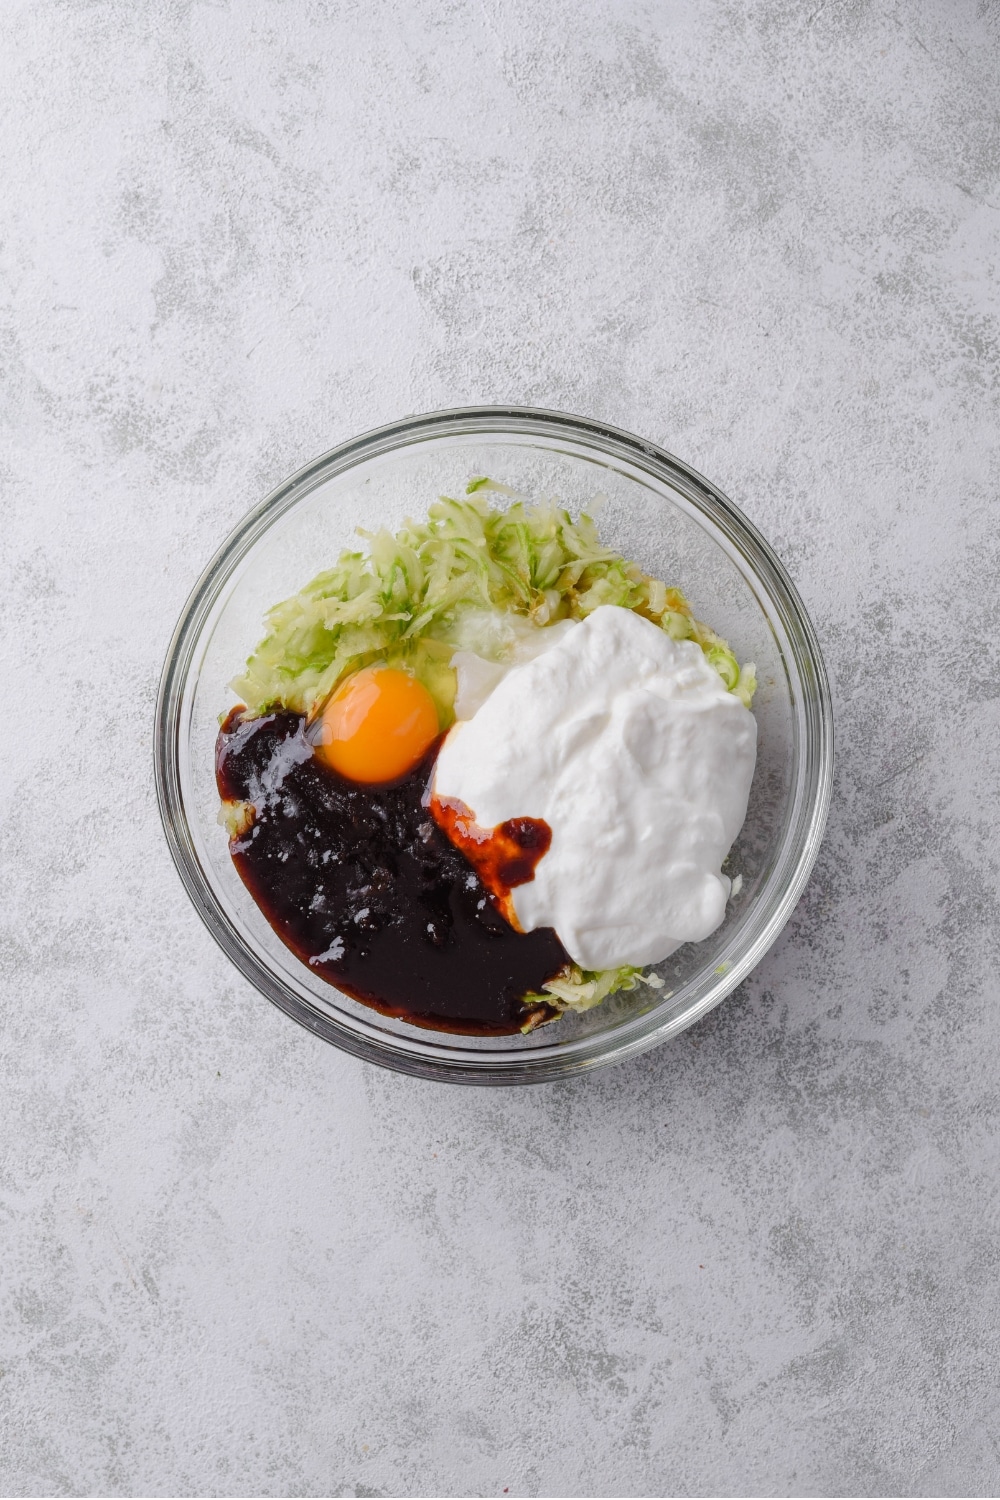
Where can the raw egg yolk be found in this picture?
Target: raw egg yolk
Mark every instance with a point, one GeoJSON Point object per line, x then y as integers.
{"type": "Point", "coordinates": [377, 726]}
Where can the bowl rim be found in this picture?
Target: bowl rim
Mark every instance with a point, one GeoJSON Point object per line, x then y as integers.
{"type": "Point", "coordinates": [802, 840]}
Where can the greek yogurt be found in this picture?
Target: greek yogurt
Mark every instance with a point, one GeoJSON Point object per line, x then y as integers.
{"type": "Point", "coordinates": [628, 745]}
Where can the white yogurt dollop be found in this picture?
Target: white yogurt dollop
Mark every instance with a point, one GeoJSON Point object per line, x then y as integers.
{"type": "Point", "coordinates": [629, 746]}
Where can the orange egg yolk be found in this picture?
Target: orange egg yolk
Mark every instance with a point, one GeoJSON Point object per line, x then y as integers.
{"type": "Point", "coordinates": [377, 726]}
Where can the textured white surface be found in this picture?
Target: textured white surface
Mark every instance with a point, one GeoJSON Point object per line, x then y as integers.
{"type": "Point", "coordinates": [629, 747]}
{"type": "Point", "coordinates": [760, 1260]}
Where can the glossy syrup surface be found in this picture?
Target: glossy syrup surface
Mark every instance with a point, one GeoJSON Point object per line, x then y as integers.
{"type": "Point", "coordinates": [361, 885]}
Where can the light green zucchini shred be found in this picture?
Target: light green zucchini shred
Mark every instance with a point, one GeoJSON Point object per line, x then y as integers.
{"type": "Point", "coordinates": [581, 989]}
{"type": "Point", "coordinates": [402, 601]}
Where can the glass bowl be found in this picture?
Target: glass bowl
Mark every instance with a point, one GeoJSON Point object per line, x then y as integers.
{"type": "Point", "coordinates": [654, 510]}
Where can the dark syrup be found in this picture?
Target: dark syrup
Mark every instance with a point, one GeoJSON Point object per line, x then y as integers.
{"type": "Point", "coordinates": [502, 857]}
{"type": "Point", "coordinates": [362, 886]}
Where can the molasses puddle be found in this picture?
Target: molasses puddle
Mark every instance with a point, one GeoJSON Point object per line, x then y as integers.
{"type": "Point", "coordinates": [363, 887]}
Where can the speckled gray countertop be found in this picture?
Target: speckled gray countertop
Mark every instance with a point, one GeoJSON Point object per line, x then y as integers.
{"type": "Point", "coordinates": [761, 1260]}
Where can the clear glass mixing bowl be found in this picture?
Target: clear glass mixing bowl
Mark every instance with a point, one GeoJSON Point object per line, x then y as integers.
{"type": "Point", "coordinates": [655, 510]}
